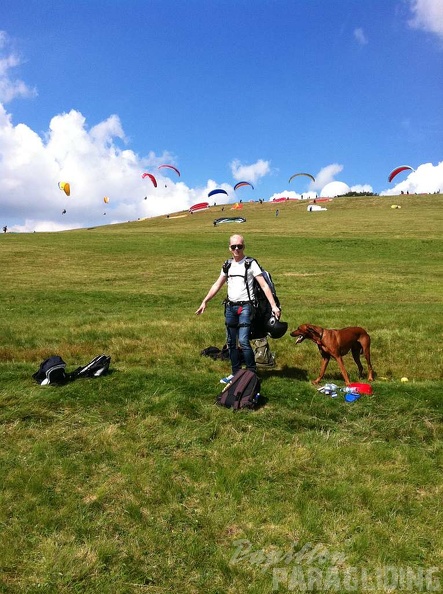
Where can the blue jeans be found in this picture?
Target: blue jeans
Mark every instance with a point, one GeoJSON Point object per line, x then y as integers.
{"type": "Point", "coordinates": [238, 326]}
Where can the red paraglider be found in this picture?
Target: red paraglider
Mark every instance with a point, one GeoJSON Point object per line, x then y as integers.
{"type": "Point", "coordinates": [241, 184]}
{"type": "Point", "coordinates": [151, 177]}
{"type": "Point", "coordinates": [199, 206]}
{"type": "Point", "coordinates": [398, 170]}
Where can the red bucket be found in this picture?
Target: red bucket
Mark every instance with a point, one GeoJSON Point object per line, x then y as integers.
{"type": "Point", "coordinates": [361, 388]}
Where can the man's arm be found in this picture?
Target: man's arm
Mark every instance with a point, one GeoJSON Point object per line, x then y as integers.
{"type": "Point", "coordinates": [212, 292]}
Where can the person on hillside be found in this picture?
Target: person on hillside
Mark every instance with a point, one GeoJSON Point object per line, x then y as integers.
{"type": "Point", "coordinates": [238, 304]}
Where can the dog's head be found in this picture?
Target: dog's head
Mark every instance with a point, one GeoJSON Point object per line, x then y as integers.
{"type": "Point", "coordinates": [307, 331]}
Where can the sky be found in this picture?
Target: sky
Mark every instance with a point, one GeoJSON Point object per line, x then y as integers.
{"type": "Point", "coordinates": [96, 93]}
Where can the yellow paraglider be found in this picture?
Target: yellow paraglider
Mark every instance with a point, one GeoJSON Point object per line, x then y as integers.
{"type": "Point", "coordinates": [106, 200]}
{"type": "Point", "coordinates": [65, 187]}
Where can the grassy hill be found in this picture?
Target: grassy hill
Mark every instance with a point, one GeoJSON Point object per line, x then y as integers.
{"type": "Point", "coordinates": [137, 482]}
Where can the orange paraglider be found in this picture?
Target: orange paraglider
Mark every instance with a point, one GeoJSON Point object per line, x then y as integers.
{"type": "Point", "coordinates": [65, 187]}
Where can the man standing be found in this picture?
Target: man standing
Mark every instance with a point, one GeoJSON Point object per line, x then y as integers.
{"type": "Point", "coordinates": [238, 305]}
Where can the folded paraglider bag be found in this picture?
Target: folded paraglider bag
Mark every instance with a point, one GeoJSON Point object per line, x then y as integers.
{"type": "Point", "coordinates": [51, 371]}
{"type": "Point", "coordinates": [95, 368]}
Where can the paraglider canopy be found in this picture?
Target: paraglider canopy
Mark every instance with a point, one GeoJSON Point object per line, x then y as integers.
{"type": "Point", "coordinates": [222, 220]}
{"type": "Point", "coordinates": [218, 191]}
{"type": "Point", "coordinates": [151, 177]}
{"type": "Point", "coordinates": [199, 206]}
{"type": "Point", "coordinates": [170, 167]}
{"type": "Point", "coordinates": [241, 184]}
{"type": "Point", "coordinates": [65, 187]}
{"type": "Point", "coordinates": [398, 170]}
{"type": "Point", "coordinates": [306, 174]}
{"type": "Point", "coordinates": [106, 200]}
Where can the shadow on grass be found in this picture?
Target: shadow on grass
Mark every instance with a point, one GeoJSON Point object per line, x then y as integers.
{"type": "Point", "coordinates": [289, 372]}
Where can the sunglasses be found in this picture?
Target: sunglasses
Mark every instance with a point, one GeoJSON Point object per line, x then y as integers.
{"type": "Point", "coordinates": [238, 246]}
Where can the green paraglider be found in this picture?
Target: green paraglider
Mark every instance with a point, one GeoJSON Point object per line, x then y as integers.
{"type": "Point", "coordinates": [297, 174]}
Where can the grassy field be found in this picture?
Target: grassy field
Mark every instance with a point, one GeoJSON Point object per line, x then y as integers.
{"type": "Point", "coordinates": [137, 482]}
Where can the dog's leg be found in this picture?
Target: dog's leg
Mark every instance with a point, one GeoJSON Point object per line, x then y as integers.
{"type": "Point", "coordinates": [324, 364]}
{"type": "Point", "coordinates": [356, 350]}
{"type": "Point", "coordinates": [366, 346]}
{"type": "Point", "coordinates": [343, 369]}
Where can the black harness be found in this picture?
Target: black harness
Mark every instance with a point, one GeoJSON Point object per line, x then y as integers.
{"type": "Point", "coordinates": [226, 267]}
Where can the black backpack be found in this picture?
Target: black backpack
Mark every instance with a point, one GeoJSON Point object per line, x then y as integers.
{"type": "Point", "coordinates": [51, 371]}
{"type": "Point", "coordinates": [262, 308]}
{"type": "Point", "coordinates": [243, 391]}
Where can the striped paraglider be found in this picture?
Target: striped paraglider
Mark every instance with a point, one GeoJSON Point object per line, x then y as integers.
{"type": "Point", "coordinates": [241, 184]}
{"type": "Point", "coordinates": [398, 170]}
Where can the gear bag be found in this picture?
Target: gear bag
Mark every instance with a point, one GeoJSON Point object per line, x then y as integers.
{"type": "Point", "coordinates": [243, 391]}
{"type": "Point", "coordinates": [262, 353]}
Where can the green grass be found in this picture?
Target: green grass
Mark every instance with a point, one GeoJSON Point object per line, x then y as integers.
{"type": "Point", "coordinates": [137, 482]}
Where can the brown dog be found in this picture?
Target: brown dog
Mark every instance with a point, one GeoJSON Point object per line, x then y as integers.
{"type": "Point", "coordinates": [337, 343]}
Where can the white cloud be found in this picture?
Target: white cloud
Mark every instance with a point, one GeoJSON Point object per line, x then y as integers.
{"type": "Point", "coordinates": [11, 88]}
{"type": "Point", "coordinates": [360, 37]}
{"type": "Point", "coordinates": [326, 175]}
{"type": "Point", "coordinates": [362, 188]}
{"type": "Point", "coordinates": [251, 173]}
{"type": "Point", "coordinates": [92, 161]}
{"type": "Point", "coordinates": [426, 179]}
{"type": "Point", "coordinates": [428, 16]}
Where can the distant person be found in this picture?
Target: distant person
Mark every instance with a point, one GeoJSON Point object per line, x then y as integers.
{"type": "Point", "coordinates": [5, 228]}
{"type": "Point", "coordinates": [238, 304]}
{"type": "Point", "coordinates": [276, 213]}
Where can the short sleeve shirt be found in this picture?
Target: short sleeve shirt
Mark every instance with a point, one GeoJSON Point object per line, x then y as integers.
{"type": "Point", "coordinates": [237, 290]}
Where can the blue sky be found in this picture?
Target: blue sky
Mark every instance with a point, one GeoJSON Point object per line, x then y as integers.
{"type": "Point", "coordinates": [96, 93]}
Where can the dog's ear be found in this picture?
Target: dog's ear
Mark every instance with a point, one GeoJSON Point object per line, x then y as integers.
{"type": "Point", "coordinates": [313, 330]}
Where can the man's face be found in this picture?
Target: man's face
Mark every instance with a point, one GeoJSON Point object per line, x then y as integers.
{"type": "Point", "coordinates": [237, 245]}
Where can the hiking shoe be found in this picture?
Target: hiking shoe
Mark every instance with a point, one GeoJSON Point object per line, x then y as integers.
{"type": "Point", "coordinates": [226, 380]}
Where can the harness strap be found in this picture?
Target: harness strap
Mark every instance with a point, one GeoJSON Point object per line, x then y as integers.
{"type": "Point", "coordinates": [248, 262]}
